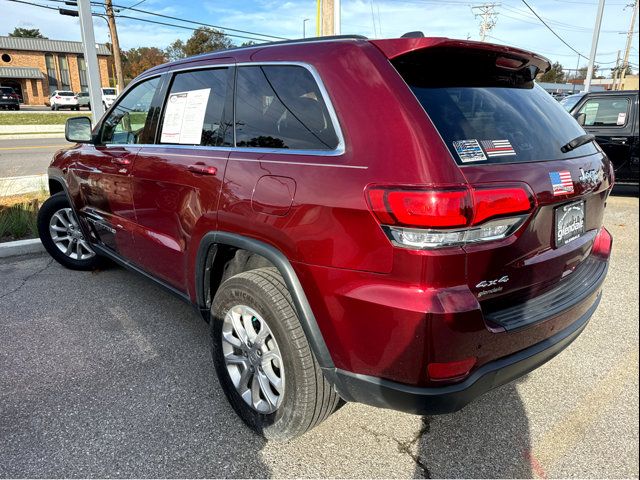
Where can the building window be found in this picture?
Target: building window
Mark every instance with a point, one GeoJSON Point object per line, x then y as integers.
{"type": "Point", "coordinates": [6, 58]}
{"type": "Point", "coordinates": [34, 88]}
{"type": "Point", "coordinates": [82, 73]}
{"type": "Point", "coordinates": [51, 73]}
{"type": "Point", "coordinates": [63, 64]}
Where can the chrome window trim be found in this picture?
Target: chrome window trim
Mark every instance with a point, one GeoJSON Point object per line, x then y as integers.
{"type": "Point", "coordinates": [340, 148]}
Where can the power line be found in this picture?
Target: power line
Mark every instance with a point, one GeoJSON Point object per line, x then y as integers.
{"type": "Point", "coordinates": [488, 16]}
{"type": "Point", "coordinates": [147, 20]}
{"type": "Point", "coordinates": [552, 30]}
{"type": "Point", "coordinates": [170, 17]}
{"type": "Point", "coordinates": [266, 37]}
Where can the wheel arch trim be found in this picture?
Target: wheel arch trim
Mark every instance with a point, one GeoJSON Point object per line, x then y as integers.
{"type": "Point", "coordinates": [279, 260]}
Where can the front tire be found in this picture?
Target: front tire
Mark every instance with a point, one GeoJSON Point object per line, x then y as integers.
{"type": "Point", "coordinates": [263, 360]}
{"type": "Point", "coordinates": [61, 235]}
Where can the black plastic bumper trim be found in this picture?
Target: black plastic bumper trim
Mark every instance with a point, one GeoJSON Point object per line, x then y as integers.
{"type": "Point", "coordinates": [571, 291]}
{"type": "Point", "coordinates": [438, 400]}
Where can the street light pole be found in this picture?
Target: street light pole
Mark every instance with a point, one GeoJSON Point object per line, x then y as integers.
{"type": "Point", "coordinates": [594, 46]}
{"type": "Point", "coordinates": [91, 58]}
{"type": "Point", "coordinates": [304, 27]}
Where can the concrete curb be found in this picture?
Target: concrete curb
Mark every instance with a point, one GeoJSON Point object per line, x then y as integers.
{"type": "Point", "coordinates": [21, 247]}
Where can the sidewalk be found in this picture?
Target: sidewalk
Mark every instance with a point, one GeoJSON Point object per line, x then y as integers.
{"type": "Point", "coordinates": [19, 185]}
{"type": "Point", "coordinates": [16, 132]}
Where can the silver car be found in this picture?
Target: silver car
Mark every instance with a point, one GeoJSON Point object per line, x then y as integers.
{"type": "Point", "coordinates": [84, 100]}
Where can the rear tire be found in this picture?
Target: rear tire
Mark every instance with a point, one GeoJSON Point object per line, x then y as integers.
{"type": "Point", "coordinates": [300, 397]}
{"type": "Point", "coordinates": [61, 236]}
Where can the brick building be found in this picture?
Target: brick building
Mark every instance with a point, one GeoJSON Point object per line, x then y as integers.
{"type": "Point", "coordinates": [34, 67]}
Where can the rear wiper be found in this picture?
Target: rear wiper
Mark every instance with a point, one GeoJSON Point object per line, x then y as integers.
{"type": "Point", "coordinates": [577, 142]}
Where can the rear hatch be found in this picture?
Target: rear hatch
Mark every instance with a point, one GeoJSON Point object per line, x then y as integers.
{"type": "Point", "coordinates": [66, 98]}
{"type": "Point", "coordinates": [503, 130]}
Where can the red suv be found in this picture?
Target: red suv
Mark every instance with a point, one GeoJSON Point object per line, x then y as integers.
{"type": "Point", "coordinates": [354, 224]}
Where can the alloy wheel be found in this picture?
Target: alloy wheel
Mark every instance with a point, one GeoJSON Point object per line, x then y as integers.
{"type": "Point", "coordinates": [253, 359]}
{"type": "Point", "coordinates": [67, 236]}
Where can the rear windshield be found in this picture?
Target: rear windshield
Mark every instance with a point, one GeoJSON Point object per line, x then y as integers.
{"type": "Point", "coordinates": [488, 114]}
{"type": "Point", "coordinates": [6, 89]}
{"type": "Point", "coordinates": [108, 91]}
{"type": "Point", "coordinates": [66, 94]}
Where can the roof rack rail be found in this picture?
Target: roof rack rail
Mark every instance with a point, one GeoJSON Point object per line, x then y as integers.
{"type": "Point", "coordinates": [269, 44]}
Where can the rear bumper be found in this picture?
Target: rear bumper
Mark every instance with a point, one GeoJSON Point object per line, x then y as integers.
{"type": "Point", "coordinates": [438, 400]}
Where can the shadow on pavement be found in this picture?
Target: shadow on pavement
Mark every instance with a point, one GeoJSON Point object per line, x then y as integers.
{"type": "Point", "coordinates": [487, 439]}
{"type": "Point", "coordinates": [99, 386]}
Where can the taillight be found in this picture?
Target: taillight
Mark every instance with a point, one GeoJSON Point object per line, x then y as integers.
{"type": "Point", "coordinates": [421, 208]}
{"type": "Point", "coordinates": [425, 218]}
{"type": "Point", "coordinates": [602, 244]}
{"type": "Point", "coordinates": [57, 97]}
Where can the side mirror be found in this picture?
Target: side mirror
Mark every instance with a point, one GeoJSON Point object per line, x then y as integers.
{"type": "Point", "coordinates": [581, 118]}
{"type": "Point", "coordinates": [78, 130]}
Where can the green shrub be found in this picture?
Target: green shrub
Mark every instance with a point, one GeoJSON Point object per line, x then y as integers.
{"type": "Point", "coordinates": [19, 220]}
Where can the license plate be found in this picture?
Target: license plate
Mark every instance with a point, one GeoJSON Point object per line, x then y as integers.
{"type": "Point", "coordinates": [569, 221]}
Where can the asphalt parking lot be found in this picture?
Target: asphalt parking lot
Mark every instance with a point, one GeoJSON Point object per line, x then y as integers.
{"type": "Point", "coordinates": [106, 375]}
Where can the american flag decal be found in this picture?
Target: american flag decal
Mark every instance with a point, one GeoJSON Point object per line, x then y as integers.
{"type": "Point", "coordinates": [561, 182]}
{"type": "Point", "coordinates": [497, 148]}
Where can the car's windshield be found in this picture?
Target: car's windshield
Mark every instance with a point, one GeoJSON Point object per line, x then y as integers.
{"type": "Point", "coordinates": [65, 94]}
{"type": "Point", "coordinates": [569, 102]}
{"type": "Point", "coordinates": [109, 91]}
{"type": "Point", "coordinates": [6, 89]}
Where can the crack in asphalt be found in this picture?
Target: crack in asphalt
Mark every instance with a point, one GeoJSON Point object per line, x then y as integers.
{"type": "Point", "coordinates": [405, 447]}
{"type": "Point", "coordinates": [26, 279]}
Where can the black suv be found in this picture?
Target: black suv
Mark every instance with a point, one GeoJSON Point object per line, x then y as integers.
{"type": "Point", "coordinates": [613, 118]}
{"type": "Point", "coordinates": [9, 99]}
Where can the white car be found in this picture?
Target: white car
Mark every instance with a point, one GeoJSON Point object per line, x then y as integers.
{"type": "Point", "coordinates": [63, 99]}
{"type": "Point", "coordinates": [108, 96]}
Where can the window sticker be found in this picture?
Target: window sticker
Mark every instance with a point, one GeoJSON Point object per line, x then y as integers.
{"type": "Point", "coordinates": [469, 150]}
{"type": "Point", "coordinates": [622, 118]}
{"type": "Point", "coordinates": [590, 113]}
{"type": "Point", "coordinates": [184, 117]}
{"type": "Point", "coordinates": [497, 148]}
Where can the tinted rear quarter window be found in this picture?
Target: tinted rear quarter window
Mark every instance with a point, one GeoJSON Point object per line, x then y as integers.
{"type": "Point", "coordinates": [486, 114]}
{"type": "Point", "coordinates": [281, 106]}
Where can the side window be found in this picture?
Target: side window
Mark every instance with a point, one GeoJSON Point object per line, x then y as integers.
{"type": "Point", "coordinates": [127, 120]}
{"type": "Point", "coordinates": [280, 106]}
{"type": "Point", "coordinates": [194, 109]}
{"type": "Point", "coordinates": [605, 112]}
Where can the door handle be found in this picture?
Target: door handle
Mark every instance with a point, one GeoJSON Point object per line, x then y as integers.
{"type": "Point", "coordinates": [121, 161]}
{"type": "Point", "coordinates": [202, 169]}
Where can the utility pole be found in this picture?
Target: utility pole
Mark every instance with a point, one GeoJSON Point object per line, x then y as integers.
{"type": "Point", "coordinates": [594, 46]}
{"type": "Point", "coordinates": [327, 17]}
{"type": "Point", "coordinates": [336, 17]}
{"type": "Point", "coordinates": [616, 72]}
{"type": "Point", "coordinates": [91, 58]}
{"type": "Point", "coordinates": [115, 43]}
{"type": "Point", "coordinates": [625, 63]}
{"type": "Point", "coordinates": [489, 18]}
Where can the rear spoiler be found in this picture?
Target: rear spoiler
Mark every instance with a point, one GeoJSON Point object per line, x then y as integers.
{"type": "Point", "coordinates": [396, 47]}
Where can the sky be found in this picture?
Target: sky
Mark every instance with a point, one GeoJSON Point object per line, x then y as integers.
{"type": "Point", "coordinates": [573, 20]}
